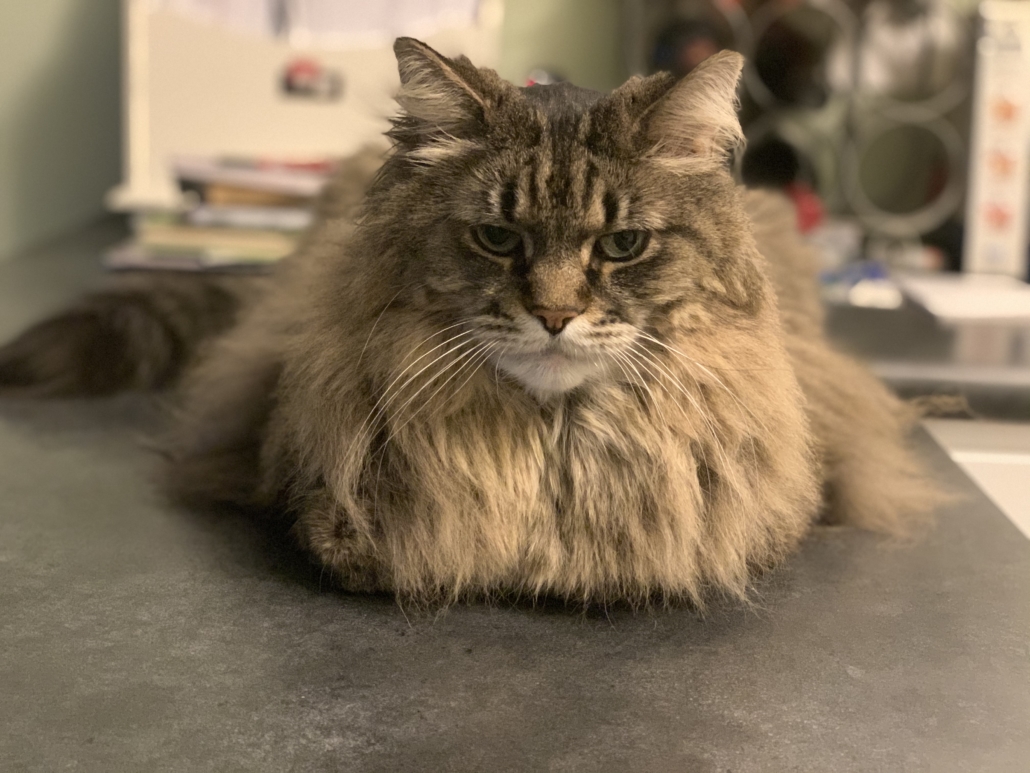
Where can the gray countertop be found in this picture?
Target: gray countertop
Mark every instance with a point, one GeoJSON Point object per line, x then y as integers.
{"type": "Point", "coordinates": [138, 637]}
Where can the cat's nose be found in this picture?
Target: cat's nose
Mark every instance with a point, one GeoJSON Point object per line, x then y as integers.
{"type": "Point", "coordinates": [554, 320]}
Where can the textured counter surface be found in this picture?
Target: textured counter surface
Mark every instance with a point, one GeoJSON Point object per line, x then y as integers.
{"type": "Point", "coordinates": [138, 637]}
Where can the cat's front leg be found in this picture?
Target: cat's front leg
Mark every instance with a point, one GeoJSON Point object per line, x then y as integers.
{"type": "Point", "coordinates": [351, 556]}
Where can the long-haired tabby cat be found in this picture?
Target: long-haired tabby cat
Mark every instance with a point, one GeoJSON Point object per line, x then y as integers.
{"type": "Point", "coordinates": [555, 350]}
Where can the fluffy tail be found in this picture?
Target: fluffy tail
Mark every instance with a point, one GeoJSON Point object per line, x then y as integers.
{"type": "Point", "coordinates": [139, 333]}
{"type": "Point", "coordinates": [873, 478]}
{"type": "Point", "coordinates": [142, 332]}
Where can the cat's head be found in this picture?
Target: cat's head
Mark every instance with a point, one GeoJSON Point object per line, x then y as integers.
{"type": "Point", "coordinates": [559, 227]}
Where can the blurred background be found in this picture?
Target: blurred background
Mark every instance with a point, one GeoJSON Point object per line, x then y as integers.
{"type": "Point", "coordinates": [861, 111]}
{"type": "Point", "coordinates": [898, 128]}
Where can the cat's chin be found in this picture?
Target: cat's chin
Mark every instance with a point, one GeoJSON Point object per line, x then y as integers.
{"type": "Point", "coordinates": [549, 374]}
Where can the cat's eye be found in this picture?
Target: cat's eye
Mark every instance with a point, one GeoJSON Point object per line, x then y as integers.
{"type": "Point", "coordinates": [496, 240]}
{"type": "Point", "coordinates": [622, 245]}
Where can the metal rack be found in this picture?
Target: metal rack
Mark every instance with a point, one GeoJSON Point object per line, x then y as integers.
{"type": "Point", "coordinates": [857, 122]}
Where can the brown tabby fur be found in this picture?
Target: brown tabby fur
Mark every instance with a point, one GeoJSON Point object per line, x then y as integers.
{"type": "Point", "coordinates": [392, 392]}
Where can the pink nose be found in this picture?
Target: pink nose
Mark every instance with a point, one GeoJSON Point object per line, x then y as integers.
{"type": "Point", "coordinates": [555, 320]}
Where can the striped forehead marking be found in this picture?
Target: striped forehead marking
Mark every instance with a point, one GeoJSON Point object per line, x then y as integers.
{"type": "Point", "coordinates": [560, 176]}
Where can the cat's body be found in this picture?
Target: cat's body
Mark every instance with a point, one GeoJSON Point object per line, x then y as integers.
{"type": "Point", "coordinates": [547, 359]}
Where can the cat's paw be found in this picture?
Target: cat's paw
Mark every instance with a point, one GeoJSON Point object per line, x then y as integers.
{"type": "Point", "coordinates": [349, 557]}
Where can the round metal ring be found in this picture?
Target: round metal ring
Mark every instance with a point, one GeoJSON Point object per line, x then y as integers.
{"type": "Point", "coordinates": [921, 220]}
{"type": "Point", "coordinates": [836, 10]}
{"type": "Point", "coordinates": [815, 150]}
{"type": "Point", "coordinates": [937, 105]}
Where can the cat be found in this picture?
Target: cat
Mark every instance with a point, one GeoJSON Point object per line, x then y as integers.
{"type": "Point", "coordinates": [548, 348]}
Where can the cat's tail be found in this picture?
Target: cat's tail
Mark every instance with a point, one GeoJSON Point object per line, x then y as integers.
{"type": "Point", "coordinates": [139, 333]}
{"type": "Point", "coordinates": [873, 477]}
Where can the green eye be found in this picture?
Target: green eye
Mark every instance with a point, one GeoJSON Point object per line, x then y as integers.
{"type": "Point", "coordinates": [623, 245]}
{"type": "Point", "coordinates": [496, 240]}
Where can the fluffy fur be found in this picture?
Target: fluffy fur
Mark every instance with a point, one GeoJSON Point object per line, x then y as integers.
{"type": "Point", "coordinates": [395, 394]}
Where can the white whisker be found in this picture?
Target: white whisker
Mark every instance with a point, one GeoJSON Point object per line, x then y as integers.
{"type": "Point", "coordinates": [389, 394]}
{"type": "Point", "coordinates": [393, 434]}
{"type": "Point", "coordinates": [702, 413]}
{"type": "Point", "coordinates": [622, 357]}
{"type": "Point", "coordinates": [707, 413]}
{"type": "Point", "coordinates": [740, 403]}
{"type": "Point", "coordinates": [472, 358]}
{"type": "Point", "coordinates": [459, 359]}
{"type": "Point", "coordinates": [368, 338]}
{"type": "Point", "coordinates": [691, 361]}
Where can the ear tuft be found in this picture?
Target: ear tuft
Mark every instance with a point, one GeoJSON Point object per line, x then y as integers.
{"type": "Point", "coordinates": [697, 116]}
{"type": "Point", "coordinates": [436, 90]}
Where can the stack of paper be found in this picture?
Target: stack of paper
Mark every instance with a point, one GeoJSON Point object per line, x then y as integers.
{"type": "Point", "coordinates": [242, 214]}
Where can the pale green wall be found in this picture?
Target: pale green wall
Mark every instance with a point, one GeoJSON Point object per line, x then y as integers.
{"type": "Point", "coordinates": [60, 124]}
{"type": "Point", "coordinates": [579, 39]}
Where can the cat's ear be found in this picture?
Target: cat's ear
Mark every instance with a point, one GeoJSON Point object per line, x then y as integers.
{"type": "Point", "coordinates": [441, 94]}
{"type": "Point", "coordinates": [695, 116]}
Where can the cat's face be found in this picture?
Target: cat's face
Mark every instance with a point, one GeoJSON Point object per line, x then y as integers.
{"type": "Point", "coordinates": [560, 259]}
{"type": "Point", "coordinates": [567, 226]}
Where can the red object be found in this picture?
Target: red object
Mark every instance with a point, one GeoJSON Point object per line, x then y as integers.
{"type": "Point", "coordinates": [1005, 110]}
{"type": "Point", "coordinates": [807, 204]}
{"type": "Point", "coordinates": [1001, 163]}
{"type": "Point", "coordinates": [998, 216]}
{"type": "Point", "coordinates": [306, 68]}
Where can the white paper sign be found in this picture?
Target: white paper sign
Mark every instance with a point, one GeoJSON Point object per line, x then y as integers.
{"type": "Point", "coordinates": [999, 161]}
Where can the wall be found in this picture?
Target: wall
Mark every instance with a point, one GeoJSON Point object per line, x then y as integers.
{"type": "Point", "coordinates": [210, 90]}
{"type": "Point", "coordinates": [578, 39]}
{"type": "Point", "coordinates": [60, 121]}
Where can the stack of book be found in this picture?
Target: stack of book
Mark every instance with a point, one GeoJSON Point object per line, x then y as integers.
{"type": "Point", "coordinates": [238, 214]}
